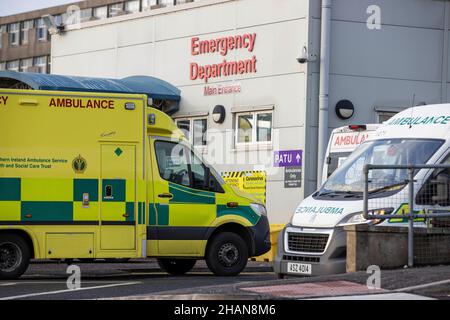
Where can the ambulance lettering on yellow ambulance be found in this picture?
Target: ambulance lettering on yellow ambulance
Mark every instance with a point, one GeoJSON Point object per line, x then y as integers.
{"type": "Point", "coordinates": [101, 175]}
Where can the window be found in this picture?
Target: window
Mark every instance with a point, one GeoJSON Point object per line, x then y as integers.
{"type": "Point", "coordinates": [185, 126]}
{"type": "Point", "coordinates": [25, 64]}
{"type": "Point", "coordinates": [25, 27]}
{"type": "Point", "coordinates": [166, 2]}
{"type": "Point", "coordinates": [348, 180]}
{"type": "Point", "coordinates": [178, 164]}
{"type": "Point", "coordinates": [132, 6]}
{"type": "Point", "coordinates": [172, 162]}
{"type": "Point", "coordinates": [115, 9]}
{"type": "Point", "coordinates": [2, 66]}
{"type": "Point", "coordinates": [59, 19]}
{"type": "Point", "coordinates": [436, 189]}
{"type": "Point", "coordinates": [194, 129]}
{"type": "Point", "coordinates": [85, 15]}
{"type": "Point", "coordinates": [1, 36]}
{"type": "Point", "coordinates": [100, 12]}
{"type": "Point", "coordinates": [254, 127]}
{"type": "Point", "coordinates": [12, 65]}
{"type": "Point", "coordinates": [41, 30]}
{"type": "Point", "coordinates": [199, 132]}
{"type": "Point", "coordinates": [13, 30]}
{"type": "Point", "coordinates": [41, 64]}
{"type": "Point", "coordinates": [147, 4]}
{"type": "Point", "coordinates": [383, 116]}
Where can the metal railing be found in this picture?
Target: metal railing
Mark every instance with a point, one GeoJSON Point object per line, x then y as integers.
{"type": "Point", "coordinates": [434, 192]}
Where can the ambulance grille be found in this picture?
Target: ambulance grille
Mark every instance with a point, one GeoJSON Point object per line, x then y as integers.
{"type": "Point", "coordinates": [307, 242]}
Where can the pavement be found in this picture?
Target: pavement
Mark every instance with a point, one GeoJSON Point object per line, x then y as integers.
{"type": "Point", "coordinates": [143, 280]}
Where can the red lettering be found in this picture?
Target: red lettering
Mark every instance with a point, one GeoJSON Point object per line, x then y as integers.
{"type": "Point", "coordinates": [194, 46]}
{"type": "Point", "coordinates": [252, 38]}
{"type": "Point", "coordinates": [193, 71]}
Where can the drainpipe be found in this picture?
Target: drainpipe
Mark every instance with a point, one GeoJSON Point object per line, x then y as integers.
{"type": "Point", "coordinates": [445, 54]}
{"type": "Point", "coordinates": [325, 33]}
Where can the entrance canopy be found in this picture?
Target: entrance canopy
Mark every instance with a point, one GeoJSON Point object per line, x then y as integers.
{"type": "Point", "coordinates": [165, 96]}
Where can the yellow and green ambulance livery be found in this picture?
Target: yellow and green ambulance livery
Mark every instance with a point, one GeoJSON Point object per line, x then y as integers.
{"type": "Point", "coordinates": [102, 175]}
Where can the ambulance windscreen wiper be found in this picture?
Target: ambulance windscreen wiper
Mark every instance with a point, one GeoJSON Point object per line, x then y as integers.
{"type": "Point", "coordinates": [345, 194]}
{"type": "Point", "coordinates": [386, 188]}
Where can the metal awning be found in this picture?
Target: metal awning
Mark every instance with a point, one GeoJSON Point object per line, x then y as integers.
{"type": "Point", "coordinates": [154, 88]}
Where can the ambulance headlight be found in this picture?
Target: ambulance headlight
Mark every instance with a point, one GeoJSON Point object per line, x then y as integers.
{"type": "Point", "coordinates": [259, 209]}
{"type": "Point", "coordinates": [358, 218]}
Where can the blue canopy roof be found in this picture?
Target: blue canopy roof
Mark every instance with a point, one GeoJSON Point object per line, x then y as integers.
{"type": "Point", "coordinates": [153, 87]}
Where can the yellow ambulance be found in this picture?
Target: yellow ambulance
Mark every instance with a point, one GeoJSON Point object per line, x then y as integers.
{"type": "Point", "coordinates": [103, 175]}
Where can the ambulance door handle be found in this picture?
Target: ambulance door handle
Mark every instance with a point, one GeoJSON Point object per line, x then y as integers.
{"type": "Point", "coordinates": [165, 195]}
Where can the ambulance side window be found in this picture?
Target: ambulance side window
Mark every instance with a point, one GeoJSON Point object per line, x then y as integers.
{"type": "Point", "coordinates": [198, 172]}
{"type": "Point", "coordinates": [173, 162]}
{"type": "Point", "coordinates": [436, 190]}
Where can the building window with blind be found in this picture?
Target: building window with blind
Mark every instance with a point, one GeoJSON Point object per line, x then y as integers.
{"type": "Point", "coordinates": [85, 15]}
{"type": "Point", "coordinates": [132, 6]}
{"type": "Point", "coordinates": [194, 129]}
{"type": "Point", "coordinates": [12, 65]}
{"type": "Point", "coordinates": [41, 30]}
{"type": "Point", "coordinates": [25, 27]}
{"type": "Point", "coordinates": [100, 12]}
{"type": "Point", "coordinates": [25, 65]}
{"type": "Point", "coordinates": [1, 36]}
{"type": "Point", "coordinates": [40, 64]}
{"type": "Point", "coordinates": [253, 128]}
{"type": "Point", "coordinates": [147, 4]}
{"type": "Point", "coordinates": [13, 31]}
{"type": "Point", "coordinates": [115, 9]}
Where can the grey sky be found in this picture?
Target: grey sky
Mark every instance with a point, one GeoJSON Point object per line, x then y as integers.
{"type": "Point", "coordinates": [8, 7]}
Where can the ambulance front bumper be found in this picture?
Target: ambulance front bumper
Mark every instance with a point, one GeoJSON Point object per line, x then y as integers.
{"type": "Point", "coordinates": [310, 252]}
{"type": "Point", "coordinates": [261, 237]}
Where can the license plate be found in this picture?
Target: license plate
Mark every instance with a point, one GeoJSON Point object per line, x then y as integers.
{"type": "Point", "coordinates": [301, 268]}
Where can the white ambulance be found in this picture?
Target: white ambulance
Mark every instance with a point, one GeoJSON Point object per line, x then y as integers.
{"type": "Point", "coordinates": [314, 242]}
{"type": "Point", "coordinates": [343, 141]}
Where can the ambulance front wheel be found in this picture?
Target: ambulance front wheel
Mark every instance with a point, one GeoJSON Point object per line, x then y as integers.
{"type": "Point", "coordinates": [177, 266]}
{"type": "Point", "coordinates": [227, 254]}
{"type": "Point", "coordinates": [15, 256]}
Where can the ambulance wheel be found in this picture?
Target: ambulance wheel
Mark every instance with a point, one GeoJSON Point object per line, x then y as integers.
{"type": "Point", "coordinates": [227, 254]}
{"type": "Point", "coordinates": [176, 266]}
{"type": "Point", "coordinates": [14, 256]}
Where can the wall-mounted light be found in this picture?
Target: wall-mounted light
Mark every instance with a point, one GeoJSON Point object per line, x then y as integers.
{"type": "Point", "coordinates": [218, 114]}
{"type": "Point", "coordinates": [344, 109]}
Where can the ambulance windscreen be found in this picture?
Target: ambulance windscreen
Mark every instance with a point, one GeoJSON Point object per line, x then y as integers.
{"type": "Point", "coordinates": [348, 179]}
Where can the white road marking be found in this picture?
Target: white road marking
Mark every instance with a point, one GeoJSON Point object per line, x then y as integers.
{"type": "Point", "coordinates": [68, 290]}
{"type": "Point", "coordinates": [381, 296]}
{"type": "Point", "coordinates": [421, 286]}
{"type": "Point", "coordinates": [7, 284]}
{"type": "Point", "coordinates": [62, 282]}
